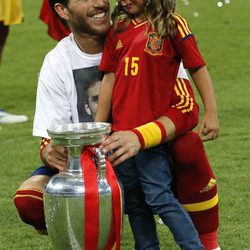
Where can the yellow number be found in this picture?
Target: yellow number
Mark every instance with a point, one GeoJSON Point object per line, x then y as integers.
{"type": "Point", "coordinates": [134, 67]}
{"type": "Point", "coordinates": [126, 65]}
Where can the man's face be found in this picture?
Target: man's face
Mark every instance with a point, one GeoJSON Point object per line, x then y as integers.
{"type": "Point", "coordinates": [89, 16]}
{"type": "Point", "coordinates": [92, 101]}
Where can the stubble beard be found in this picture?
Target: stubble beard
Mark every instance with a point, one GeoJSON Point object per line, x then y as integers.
{"type": "Point", "coordinates": [83, 28]}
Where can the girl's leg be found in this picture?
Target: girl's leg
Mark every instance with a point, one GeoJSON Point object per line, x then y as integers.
{"type": "Point", "coordinates": [142, 221]}
{"type": "Point", "coordinates": [156, 179]}
{"type": "Point", "coordinates": [140, 216]}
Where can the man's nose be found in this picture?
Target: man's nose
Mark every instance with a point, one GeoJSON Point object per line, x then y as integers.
{"type": "Point", "coordinates": [99, 3]}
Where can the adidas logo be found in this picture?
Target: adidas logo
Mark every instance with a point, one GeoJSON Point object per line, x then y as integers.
{"type": "Point", "coordinates": [210, 185]}
{"type": "Point", "coordinates": [119, 44]}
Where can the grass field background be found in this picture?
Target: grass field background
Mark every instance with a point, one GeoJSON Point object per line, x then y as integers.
{"type": "Point", "coordinates": [223, 35]}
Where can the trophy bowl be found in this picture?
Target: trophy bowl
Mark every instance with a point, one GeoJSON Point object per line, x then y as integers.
{"type": "Point", "coordinates": [79, 134]}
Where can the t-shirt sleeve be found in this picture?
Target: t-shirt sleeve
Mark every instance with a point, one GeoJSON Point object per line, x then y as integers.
{"type": "Point", "coordinates": [108, 56]}
{"type": "Point", "coordinates": [182, 72]}
{"type": "Point", "coordinates": [186, 46]}
{"type": "Point", "coordinates": [52, 106]}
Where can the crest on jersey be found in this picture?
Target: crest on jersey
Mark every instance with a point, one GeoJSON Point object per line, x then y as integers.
{"type": "Point", "coordinates": [154, 44]}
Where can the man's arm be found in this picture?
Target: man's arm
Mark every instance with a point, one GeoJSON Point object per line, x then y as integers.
{"type": "Point", "coordinates": [125, 144]}
{"type": "Point", "coordinates": [52, 108]}
{"type": "Point", "coordinates": [180, 117]}
{"type": "Point", "coordinates": [53, 156]}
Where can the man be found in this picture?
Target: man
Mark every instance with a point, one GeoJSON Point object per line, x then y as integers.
{"type": "Point", "coordinates": [57, 95]}
{"type": "Point", "coordinates": [58, 101]}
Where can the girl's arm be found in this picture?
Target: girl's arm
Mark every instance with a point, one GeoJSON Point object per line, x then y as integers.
{"type": "Point", "coordinates": [209, 125]}
{"type": "Point", "coordinates": [105, 97]}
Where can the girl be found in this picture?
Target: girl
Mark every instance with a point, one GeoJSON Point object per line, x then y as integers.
{"type": "Point", "coordinates": [144, 50]}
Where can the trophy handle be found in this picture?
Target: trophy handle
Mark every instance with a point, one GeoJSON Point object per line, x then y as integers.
{"type": "Point", "coordinates": [101, 162]}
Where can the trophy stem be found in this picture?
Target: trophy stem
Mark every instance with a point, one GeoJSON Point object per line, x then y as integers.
{"type": "Point", "coordinates": [74, 156]}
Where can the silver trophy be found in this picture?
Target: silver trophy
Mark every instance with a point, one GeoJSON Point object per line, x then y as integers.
{"type": "Point", "coordinates": [64, 193]}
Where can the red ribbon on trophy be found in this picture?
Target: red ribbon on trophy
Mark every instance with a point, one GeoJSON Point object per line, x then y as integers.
{"type": "Point", "coordinates": [91, 201]}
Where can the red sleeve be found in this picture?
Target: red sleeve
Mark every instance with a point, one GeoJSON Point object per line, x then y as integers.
{"type": "Point", "coordinates": [184, 110]}
{"type": "Point", "coordinates": [185, 45]}
{"type": "Point", "coordinates": [108, 56]}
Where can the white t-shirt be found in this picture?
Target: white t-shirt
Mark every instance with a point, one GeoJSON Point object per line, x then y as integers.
{"type": "Point", "coordinates": [56, 101]}
{"type": "Point", "coordinates": [63, 79]}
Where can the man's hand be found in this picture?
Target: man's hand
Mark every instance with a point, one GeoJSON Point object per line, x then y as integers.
{"type": "Point", "coordinates": [122, 144]}
{"type": "Point", "coordinates": [55, 156]}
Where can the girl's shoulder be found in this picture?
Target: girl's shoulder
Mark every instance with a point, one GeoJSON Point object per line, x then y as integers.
{"type": "Point", "coordinates": [182, 25]}
{"type": "Point", "coordinates": [120, 23]}
{"type": "Point", "coordinates": [181, 21]}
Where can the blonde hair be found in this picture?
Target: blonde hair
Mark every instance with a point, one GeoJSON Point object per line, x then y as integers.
{"type": "Point", "coordinates": [159, 14]}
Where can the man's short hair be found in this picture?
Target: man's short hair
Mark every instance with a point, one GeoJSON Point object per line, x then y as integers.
{"type": "Point", "coordinates": [63, 2]}
{"type": "Point", "coordinates": [92, 77]}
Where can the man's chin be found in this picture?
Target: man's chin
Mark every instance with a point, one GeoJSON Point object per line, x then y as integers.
{"type": "Point", "coordinates": [102, 29]}
{"type": "Point", "coordinates": [99, 32]}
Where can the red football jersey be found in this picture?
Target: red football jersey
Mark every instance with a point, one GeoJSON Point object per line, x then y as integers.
{"type": "Point", "coordinates": [146, 68]}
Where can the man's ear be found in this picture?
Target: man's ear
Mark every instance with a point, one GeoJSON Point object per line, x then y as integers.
{"type": "Point", "coordinates": [87, 109]}
{"type": "Point", "coordinates": [62, 11]}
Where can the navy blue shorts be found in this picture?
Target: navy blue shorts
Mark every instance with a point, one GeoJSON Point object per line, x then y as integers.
{"type": "Point", "coordinates": [43, 170]}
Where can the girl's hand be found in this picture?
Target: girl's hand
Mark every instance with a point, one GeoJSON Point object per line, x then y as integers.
{"type": "Point", "coordinates": [209, 126]}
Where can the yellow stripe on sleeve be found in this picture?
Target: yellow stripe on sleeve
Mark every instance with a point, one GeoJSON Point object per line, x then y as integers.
{"type": "Point", "coordinates": [190, 105]}
{"type": "Point", "coordinates": [181, 31]}
{"type": "Point", "coordinates": [182, 93]}
{"type": "Point", "coordinates": [185, 23]}
{"type": "Point", "coordinates": [186, 103]}
{"type": "Point", "coordinates": [189, 100]}
{"type": "Point", "coordinates": [201, 206]}
{"type": "Point", "coordinates": [183, 27]}
{"type": "Point", "coordinates": [178, 94]}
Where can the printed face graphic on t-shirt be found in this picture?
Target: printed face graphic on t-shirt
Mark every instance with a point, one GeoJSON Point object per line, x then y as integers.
{"type": "Point", "coordinates": [87, 81]}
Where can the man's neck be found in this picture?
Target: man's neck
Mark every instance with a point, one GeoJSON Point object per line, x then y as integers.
{"type": "Point", "coordinates": [89, 44]}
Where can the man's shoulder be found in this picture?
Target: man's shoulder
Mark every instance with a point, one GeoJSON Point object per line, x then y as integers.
{"type": "Point", "coordinates": [61, 52]}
